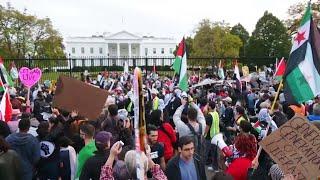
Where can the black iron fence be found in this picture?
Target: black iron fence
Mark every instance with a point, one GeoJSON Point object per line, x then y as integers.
{"type": "Point", "coordinates": [74, 66]}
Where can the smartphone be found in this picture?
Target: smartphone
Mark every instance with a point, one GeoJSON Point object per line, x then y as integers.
{"type": "Point", "coordinates": [121, 144]}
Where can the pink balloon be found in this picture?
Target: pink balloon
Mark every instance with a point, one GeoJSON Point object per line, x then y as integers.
{"type": "Point", "coordinates": [29, 77]}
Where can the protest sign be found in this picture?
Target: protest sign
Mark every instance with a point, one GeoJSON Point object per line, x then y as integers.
{"type": "Point", "coordinates": [72, 94]}
{"type": "Point", "coordinates": [295, 147]}
{"type": "Point", "coordinates": [245, 71]}
{"type": "Point", "coordinates": [29, 77]}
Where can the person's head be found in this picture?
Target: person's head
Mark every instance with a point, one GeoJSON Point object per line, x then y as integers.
{"type": "Point", "coordinates": [192, 114]}
{"type": "Point", "coordinates": [186, 147]}
{"type": "Point", "coordinates": [86, 131]}
{"type": "Point", "coordinates": [152, 132]}
{"type": "Point", "coordinates": [4, 146]}
{"type": "Point", "coordinates": [211, 106]}
{"type": "Point", "coordinates": [131, 163]}
{"type": "Point", "coordinates": [246, 144]}
{"type": "Point", "coordinates": [316, 109]}
{"type": "Point", "coordinates": [102, 140]}
{"type": "Point", "coordinates": [64, 141]}
{"type": "Point", "coordinates": [24, 125]}
{"type": "Point", "coordinates": [245, 126]}
{"type": "Point", "coordinates": [43, 129]}
{"type": "Point", "coordinates": [120, 171]}
{"type": "Point", "coordinates": [113, 110]}
{"type": "Point", "coordinates": [53, 122]}
{"type": "Point", "coordinates": [239, 111]}
{"type": "Point", "coordinates": [156, 117]}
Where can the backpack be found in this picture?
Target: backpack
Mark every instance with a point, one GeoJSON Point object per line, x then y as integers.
{"type": "Point", "coordinates": [199, 142]}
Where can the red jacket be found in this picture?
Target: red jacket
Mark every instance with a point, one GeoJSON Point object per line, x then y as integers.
{"type": "Point", "coordinates": [238, 169]}
{"type": "Point", "coordinates": [167, 138]}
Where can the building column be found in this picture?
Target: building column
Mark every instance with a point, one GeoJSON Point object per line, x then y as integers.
{"type": "Point", "coordinates": [118, 50]}
{"type": "Point", "coordinates": [129, 47]}
{"type": "Point", "coordinates": [107, 49]}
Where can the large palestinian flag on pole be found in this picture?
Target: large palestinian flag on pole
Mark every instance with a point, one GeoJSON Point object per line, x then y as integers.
{"type": "Point", "coordinates": [302, 75]}
{"type": "Point", "coordinates": [180, 66]}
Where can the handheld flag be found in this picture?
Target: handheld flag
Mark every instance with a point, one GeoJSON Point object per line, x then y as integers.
{"type": "Point", "coordinates": [180, 66]}
{"type": "Point", "coordinates": [139, 121]}
{"type": "Point", "coordinates": [5, 77]}
{"type": "Point", "coordinates": [302, 75]}
{"type": "Point", "coordinates": [220, 71]}
{"type": "Point", "coordinates": [281, 67]}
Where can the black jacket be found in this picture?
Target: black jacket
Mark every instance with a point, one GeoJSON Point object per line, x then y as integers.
{"type": "Point", "coordinates": [92, 167]}
{"type": "Point", "coordinates": [173, 169]}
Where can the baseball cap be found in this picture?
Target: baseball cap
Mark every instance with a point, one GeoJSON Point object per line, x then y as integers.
{"type": "Point", "coordinates": [103, 137]}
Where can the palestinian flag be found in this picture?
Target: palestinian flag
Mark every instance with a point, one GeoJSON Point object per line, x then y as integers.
{"type": "Point", "coordinates": [5, 77]}
{"type": "Point", "coordinates": [5, 105]}
{"type": "Point", "coordinates": [180, 66]}
{"type": "Point", "coordinates": [302, 75]}
{"type": "Point", "coordinates": [237, 76]}
{"type": "Point", "coordinates": [281, 67]}
{"type": "Point", "coordinates": [220, 71]}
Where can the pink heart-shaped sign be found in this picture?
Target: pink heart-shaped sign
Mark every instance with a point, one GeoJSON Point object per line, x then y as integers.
{"type": "Point", "coordinates": [29, 77]}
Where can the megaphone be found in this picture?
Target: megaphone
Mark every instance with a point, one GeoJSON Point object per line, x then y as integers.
{"type": "Point", "coordinates": [218, 140]}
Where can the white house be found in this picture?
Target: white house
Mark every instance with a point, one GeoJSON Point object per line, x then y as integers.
{"type": "Point", "coordinates": [119, 48]}
{"type": "Point", "coordinates": [123, 45]}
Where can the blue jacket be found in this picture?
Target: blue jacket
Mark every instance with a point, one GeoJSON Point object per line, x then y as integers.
{"type": "Point", "coordinates": [314, 118]}
{"type": "Point", "coordinates": [28, 148]}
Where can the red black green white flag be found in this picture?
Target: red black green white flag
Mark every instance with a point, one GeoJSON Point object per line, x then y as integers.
{"type": "Point", "coordinates": [180, 66]}
{"type": "Point", "coordinates": [302, 75]}
{"type": "Point", "coordinates": [281, 68]}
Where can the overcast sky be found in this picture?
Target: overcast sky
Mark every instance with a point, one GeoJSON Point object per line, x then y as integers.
{"type": "Point", "coordinates": [161, 18]}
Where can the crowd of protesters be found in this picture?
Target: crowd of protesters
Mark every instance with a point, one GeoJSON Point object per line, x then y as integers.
{"type": "Point", "coordinates": [50, 143]}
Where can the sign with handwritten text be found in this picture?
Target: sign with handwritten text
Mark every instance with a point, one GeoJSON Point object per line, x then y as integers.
{"type": "Point", "coordinates": [29, 77]}
{"type": "Point", "coordinates": [295, 147]}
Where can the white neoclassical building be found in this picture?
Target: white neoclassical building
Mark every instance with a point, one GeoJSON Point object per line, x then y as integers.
{"type": "Point", "coordinates": [121, 44]}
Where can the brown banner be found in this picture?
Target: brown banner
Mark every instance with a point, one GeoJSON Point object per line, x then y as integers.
{"type": "Point", "coordinates": [72, 94]}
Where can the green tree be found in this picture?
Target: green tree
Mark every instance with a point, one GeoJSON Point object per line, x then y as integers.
{"type": "Point", "coordinates": [203, 39]}
{"type": "Point", "coordinates": [22, 34]}
{"type": "Point", "coordinates": [269, 38]}
{"type": "Point", "coordinates": [214, 39]}
{"type": "Point", "coordinates": [225, 44]}
{"type": "Point", "coordinates": [296, 12]}
{"type": "Point", "coordinates": [243, 34]}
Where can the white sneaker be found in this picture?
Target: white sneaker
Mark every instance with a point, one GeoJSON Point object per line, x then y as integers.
{"type": "Point", "coordinates": [210, 168]}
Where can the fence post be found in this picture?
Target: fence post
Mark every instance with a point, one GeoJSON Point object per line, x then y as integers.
{"type": "Point", "coordinates": [146, 66]}
{"type": "Point", "coordinates": [70, 65]}
{"type": "Point", "coordinates": [212, 65]}
{"type": "Point", "coordinates": [29, 60]}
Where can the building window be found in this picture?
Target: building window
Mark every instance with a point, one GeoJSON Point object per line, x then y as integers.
{"type": "Point", "coordinates": [73, 50]}
{"type": "Point", "coordinates": [146, 51]}
{"type": "Point", "coordinates": [154, 51]}
{"type": "Point", "coordinates": [171, 50]}
{"type": "Point", "coordinates": [82, 50]}
{"type": "Point", "coordinates": [162, 50]}
{"type": "Point", "coordinates": [100, 50]}
{"type": "Point", "coordinates": [91, 50]}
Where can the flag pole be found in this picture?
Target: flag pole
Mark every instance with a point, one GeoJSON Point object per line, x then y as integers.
{"type": "Point", "coordinates": [268, 126]}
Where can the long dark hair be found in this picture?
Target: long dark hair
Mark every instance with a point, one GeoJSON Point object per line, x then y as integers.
{"type": "Point", "coordinates": [4, 146]}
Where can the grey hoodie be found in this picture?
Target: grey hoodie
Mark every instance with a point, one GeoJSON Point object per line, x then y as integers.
{"type": "Point", "coordinates": [28, 149]}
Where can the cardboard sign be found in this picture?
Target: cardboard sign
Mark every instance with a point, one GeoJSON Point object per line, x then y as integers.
{"type": "Point", "coordinates": [72, 94]}
{"type": "Point", "coordinates": [245, 71]}
{"type": "Point", "coordinates": [295, 147]}
{"type": "Point", "coordinates": [29, 77]}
